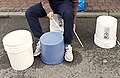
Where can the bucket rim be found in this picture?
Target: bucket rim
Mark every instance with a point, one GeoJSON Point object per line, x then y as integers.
{"type": "Point", "coordinates": [4, 38]}
{"type": "Point", "coordinates": [16, 52]}
{"type": "Point", "coordinates": [54, 43]}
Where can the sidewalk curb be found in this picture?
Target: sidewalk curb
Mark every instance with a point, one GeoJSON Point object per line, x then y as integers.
{"type": "Point", "coordinates": [4, 14]}
{"type": "Point", "coordinates": [91, 14]}
{"type": "Point", "coordinates": [116, 14]}
{"type": "Point", "coordinates": [80, 14]}
{"type": "Point", "coordinates": [11, 14]}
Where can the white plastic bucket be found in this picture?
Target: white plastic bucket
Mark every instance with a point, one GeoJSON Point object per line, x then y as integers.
{"type": "Point", "coordinates": [105, 35]}
{"type": "Point", "coordinates": [18, 45]}
{"type": "Point", "coordinates": [59, 21]}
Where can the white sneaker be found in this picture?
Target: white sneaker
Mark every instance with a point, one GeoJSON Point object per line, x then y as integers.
{"type": "Point", "coordinates": [38, 49]}
{"type": "Point", "coordinates": [68, 53]}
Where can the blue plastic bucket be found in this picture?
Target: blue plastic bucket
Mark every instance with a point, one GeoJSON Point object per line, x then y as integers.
{"type": "Point", "coordinates": [52, 47]}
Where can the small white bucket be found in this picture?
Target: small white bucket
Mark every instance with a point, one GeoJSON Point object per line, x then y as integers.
{"type": "Point", "coordinates": [58, 19]}
{"type": "Point", "coordinates": [105, 35]}
{"type": "Point", "coordinates": [18, 45]}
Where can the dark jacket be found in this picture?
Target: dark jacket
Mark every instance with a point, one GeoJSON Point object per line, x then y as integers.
{"type": "Point", "coordinates": [46, 5]}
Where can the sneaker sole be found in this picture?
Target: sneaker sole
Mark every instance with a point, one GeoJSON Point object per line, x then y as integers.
{"type": "Point", "coordinates": [68, 60]}
{"type": "Point", "coordinates": [36, 54]}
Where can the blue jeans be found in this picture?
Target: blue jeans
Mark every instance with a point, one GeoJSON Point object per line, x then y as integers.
{"type": "Point", "coordinates": [64, 8]}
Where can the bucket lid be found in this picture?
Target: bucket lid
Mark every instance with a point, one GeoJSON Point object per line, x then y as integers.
{"type": "Point", "coordinates": [107, 19]}
{"type": "Point", "coordinates": [16, 37]}
{"type": "Point", "coordinates": [51, 38]}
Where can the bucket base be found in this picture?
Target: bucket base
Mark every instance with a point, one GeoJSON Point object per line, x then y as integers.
{"type": "Point", "coordinates": [17, 63]}
{"type": "Point", "coordinates": [50, 62]}
{"type": "Point", "coordinates": [30, 64]}
{"type": "Point", "coordinates": [105, 44]}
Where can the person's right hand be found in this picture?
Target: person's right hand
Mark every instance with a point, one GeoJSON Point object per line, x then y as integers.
{"type": "Point", "coordinates": [50, 15]}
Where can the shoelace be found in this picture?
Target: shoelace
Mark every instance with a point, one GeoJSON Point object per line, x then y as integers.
{"type": "Point", "coordinates": [38, 44]}
{"type": "Point", "coordinates": [69, 49]}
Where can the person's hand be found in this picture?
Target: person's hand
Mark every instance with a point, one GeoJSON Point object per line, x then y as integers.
{"type": "Point", "coordinates": [74, 27]}
{"type": "Point", "coordinates": [50, 15]}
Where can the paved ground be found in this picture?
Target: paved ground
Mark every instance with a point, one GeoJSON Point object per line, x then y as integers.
{"type": "Point", "coordinates": [91, 5]}
{"type": "Point", "coordinates": [88, 61]}
{"type": "Point", "coordinates": [103, 5]}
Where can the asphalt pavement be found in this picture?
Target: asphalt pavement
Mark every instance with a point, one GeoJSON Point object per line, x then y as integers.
{"type": "Point", "coordinates": [89, 61]}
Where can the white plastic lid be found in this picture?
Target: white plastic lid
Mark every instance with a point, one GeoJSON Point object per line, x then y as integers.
{"type": "Point", "coordinates": [107, 19]}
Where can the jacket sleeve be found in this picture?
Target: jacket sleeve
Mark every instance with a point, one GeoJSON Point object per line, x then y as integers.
{"type": "Point", "coordinates": [46, 6]}
{"type": "Point", "coordinates": [75, 7]}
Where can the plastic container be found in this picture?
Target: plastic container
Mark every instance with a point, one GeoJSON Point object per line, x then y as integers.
{"type": "Point", "coordinates": [52, 48]}
{"type": "Point", "coordinates": [18, 45]}
{"type": "Point", "coordinates": [105, 35]}
{"type": "Point", "coordinates": [81, 5]}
